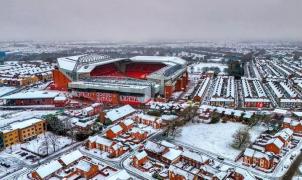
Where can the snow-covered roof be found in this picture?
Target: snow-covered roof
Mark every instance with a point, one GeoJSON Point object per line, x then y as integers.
{"type": "Point", "coordinates": [48, 169]}
{"type": "Point", "coordinates": [128, 122]}
{"type": "Point", "coordinates": [257, 100]}
{"type": "Point", "coordinates": [195, 156]}
{"type": "Point", "coordinates": [60, 98]}
{"type": "Point", "coordinates": [100, 140]}
{"type": "Point", "coordinates": [166, 117]}
{"type": "Point", "coordinates": [172, 154]}
{"type": "Point", "coordinates": [289, 90]}
{"type": "Point", "coordinates": [167, 144]}
{"type": "Point", "coordinates": [88, 109]}
{"type": "Point", "coordinates": [275, 89]}
{"type": "Point", "coordinates": [279, 144]}
{"type": "Point", "coordinates": [299, 114]}
{"type": "Point", "coordinates": [280, 111]}
{"type": "Point", "coordinates": [249, 152]}
{"type": "Point", "coordinates": [284, 134]}
{"type": "Point", "coordinates": [261, 155]}
{"type": "Point", "coordinates": [161, 59]}
{"type": "Point", "coordinates": [116, 129]}
{"type": "Point", "coordinates": [203, 87]}
{"type": "Point", "coordinates": [84, 165]}
{"type": "Point", "coordinates": [71, 157]}
{"type": "Point", "coordinates": [120, 112]}
{"type": "Point", "coordinates": [141, 155]}
{"type": "Point", "coordinates": [179, 171]}
{"type": "Point", "coordinates": [154, 147]}
{"type": "Point", "coordinates": [121, 175]}
{"type": "Point", "coordinates": [147, 117]}
{"type": "Point", "coordinates": [32, 95]}
{"type": "Point", "coordinates": [287, 120]}
{"type": "Point", "coordinates": [23, 124]}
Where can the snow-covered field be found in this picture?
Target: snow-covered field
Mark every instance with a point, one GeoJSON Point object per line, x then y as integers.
{"type": "Point", "coordinates": [199, 66]}
{"type": "Point", "coordinates": [39, 144]}
{"type": "Point", "coordinates": [215, 138]}
{"type": "Point", "coordinates": [13, 116]}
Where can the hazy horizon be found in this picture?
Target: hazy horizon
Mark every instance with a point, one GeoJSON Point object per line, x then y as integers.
{"type": "Point", "coordinates": [156, 20]}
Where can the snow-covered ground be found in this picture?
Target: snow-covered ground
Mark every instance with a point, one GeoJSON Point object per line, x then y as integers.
{"type": "Point", "coordinates": [13, 116]}
{"type": "Point", "coordinates": [215, 138]}
{"type": "Point", "coordinates": [12, 164]}
{"type": "Point", "coordinates": [199, 66]}
{"type": "Point", "coordinates": [6, 89]}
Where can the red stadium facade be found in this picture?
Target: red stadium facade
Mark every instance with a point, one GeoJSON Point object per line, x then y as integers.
{"type": "Point", "coordinates": [121, 81]}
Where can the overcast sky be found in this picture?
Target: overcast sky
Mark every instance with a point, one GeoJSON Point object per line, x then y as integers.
{"type": "Point", "coordinates": [147, 20]}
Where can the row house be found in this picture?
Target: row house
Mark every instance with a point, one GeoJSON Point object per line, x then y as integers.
{"type": "Point", "coordinates": [194, 159]}
{"type": "Point", "coordinates": [177, 173]}
{"type": "Point", "coordinates": [138, 134]}
{"type": "Point", "coordinates": [118, 114]}
{"type": "Point", "coordinates": [46, 171]}
{"type": "Point", "coordinates": [87, 169]}
{"type": "Point", "coordinates": [285, 135]}
{"type": "Point", "coordinates": [292, 124]}
{"type": "Point", "coordinates": [148, 120]}
{"type": "Point", "coordinates": [155, 150]}
{"type": "Point", "coordinates": [114, 132]}
{"type": "Point", "coordinates": [61, 101]}
{"type": "Point", "coordinates": [69, 166]}
{"type": "Point", "coordinates": [274, 145]}
{"type": "Point", "coordinates": [92, 110]}
{"type": "Point", "coordinates": [127, 124]}
{"type": "Point", "coordinates": [139, 159]}
{"type": "Point", "coordinates": [257, 158]}
{"type": "Point", "coordinates": [115, 149]}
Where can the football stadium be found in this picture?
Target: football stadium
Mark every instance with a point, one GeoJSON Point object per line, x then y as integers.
{"type": "Point", "coordinates": [133, 81]}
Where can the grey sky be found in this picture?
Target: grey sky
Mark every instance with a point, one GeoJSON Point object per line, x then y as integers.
{"type": "Point", "coordinates": [144, 20]}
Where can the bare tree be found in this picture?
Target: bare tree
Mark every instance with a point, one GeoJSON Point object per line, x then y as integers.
{"type": "Point", "coordinates": [53, 140]}
{"type": "Point", "coordinates": [241, 138]}
{"type": "Point", "coordinates": [44, 144]}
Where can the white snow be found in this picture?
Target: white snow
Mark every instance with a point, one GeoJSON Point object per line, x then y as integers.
{"type": "Point", "coordinates": [38, 145]}
{"type": "Point", "coordinates": [215, 138]}
{"type": "Point", "coordinates": [198, 67]}
{"type": "Point", "coordinates": [48, 169]}
{"type": "Point", "coordinates": [6, 89]}
{"type": "Point", "coordinates": [14, 116]}
{"type": "Point", "coordinates": [32, 95]}
{"type": "Point", "coordinates": [120, 112]}
{"type": "Point", "coordinates": [71, 157]}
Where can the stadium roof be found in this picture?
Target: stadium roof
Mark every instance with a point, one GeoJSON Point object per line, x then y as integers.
{"type": "Point", "coordinates": [162, 59]}
{"type": "Point", "coordinates": [86, 63]}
